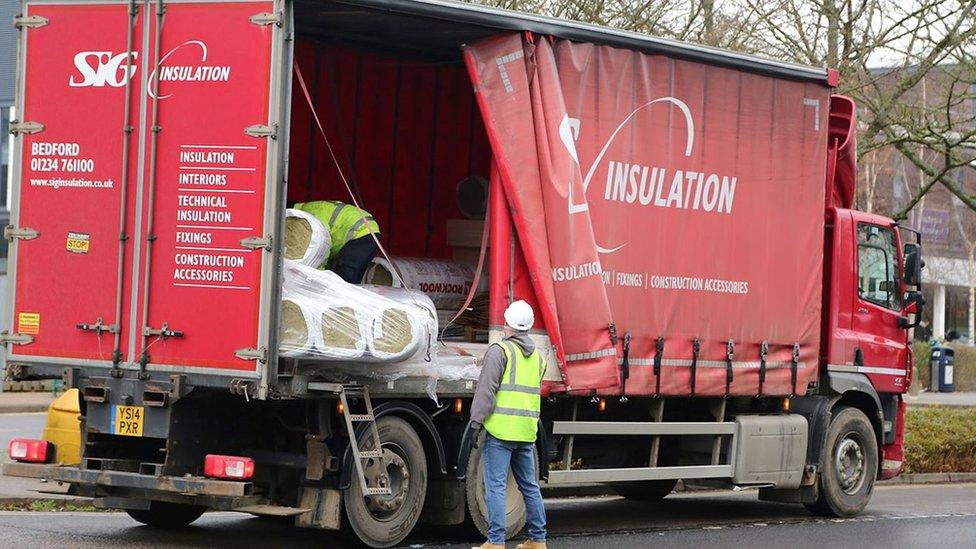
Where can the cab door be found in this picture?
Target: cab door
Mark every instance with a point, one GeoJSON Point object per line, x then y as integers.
{"type": "Point", "coordinates": [881, 342]}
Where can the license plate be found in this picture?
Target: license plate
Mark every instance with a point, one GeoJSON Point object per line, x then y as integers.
{"type": "Point", "coordinates": [128, 420]}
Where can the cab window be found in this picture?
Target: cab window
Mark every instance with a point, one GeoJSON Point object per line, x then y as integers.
{"type": "Point", "coordinates": [877, 265]}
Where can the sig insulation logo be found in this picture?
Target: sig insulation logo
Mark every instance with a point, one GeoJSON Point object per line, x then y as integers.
{"type": "Point", "coordinates": [631, 182]}
{"type": "Point", "coordinates": [186, 62]}
{"type": "Point", "coordinates": [97, 69]}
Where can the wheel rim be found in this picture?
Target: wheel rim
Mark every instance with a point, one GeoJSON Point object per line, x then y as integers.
{"type": "Point", "coordinates": [850, 464]}
{"type": "Point", "coordinates": [396, 475]}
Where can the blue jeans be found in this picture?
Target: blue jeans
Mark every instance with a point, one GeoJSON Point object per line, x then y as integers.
{"type": "Point", "coordinates": [499, 454]}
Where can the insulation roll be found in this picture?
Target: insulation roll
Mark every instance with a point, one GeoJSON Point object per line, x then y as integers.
{"type": "Point", "coordinates": [326, 318]}
{"type": "Point", "coordinates": [397, 333]}
{"type": "Point", "coordinates": [343, 334]}
{"type": "Point", "coordinates": [298, 330]}
{"type": "Point", "coordinates": [446, 282]}
{"type": "Point", "coordinates": [414, 298]}
{"type": "Point", "coordinates": [307, 239]}
{"type": "Point", "coordinates": [401, 330]}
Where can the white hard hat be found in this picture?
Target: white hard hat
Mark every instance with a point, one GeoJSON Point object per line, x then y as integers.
{"type": "Point", "coordinates": [519, 316]}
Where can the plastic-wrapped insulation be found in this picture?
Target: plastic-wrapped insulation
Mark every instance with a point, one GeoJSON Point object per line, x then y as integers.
{"type": "Point", "coordinates": [326, 318]}
{"type": "Point", "coordinates": [307, 239]}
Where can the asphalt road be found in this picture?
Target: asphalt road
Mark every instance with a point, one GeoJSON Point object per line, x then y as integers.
{"type": "Point", "coordinates": [899, 516]}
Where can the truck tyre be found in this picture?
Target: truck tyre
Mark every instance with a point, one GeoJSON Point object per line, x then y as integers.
{"type": "Point", "coordinates": [384, 521]}
{"type": "Point", "coordinates": [849, 465]}
{"type": "Point", "coordinates": [474, 492]}
{"type": "Point", "coordinates": [650, 491]}
{"type": "Point", "coordinates": [163, 514]}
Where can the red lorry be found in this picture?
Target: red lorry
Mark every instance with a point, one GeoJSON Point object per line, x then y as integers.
{"type": "Point", "coordinates": [680, 217]}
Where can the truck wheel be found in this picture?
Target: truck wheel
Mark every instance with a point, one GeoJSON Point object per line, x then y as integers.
{"type": "Point", "coordinates": [651, 490]}
{"type": "Point", "coordinates": [163, 514]}
{"type": "Point", "coordinates": [474, 491]}
{"type": "Point", "coordinates": [384, 521]}
{"type": "Point", "coordinates": [849, 465]}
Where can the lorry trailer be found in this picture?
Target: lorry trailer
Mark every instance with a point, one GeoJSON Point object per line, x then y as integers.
{"type": "Point", "coordinates": [680, 217]}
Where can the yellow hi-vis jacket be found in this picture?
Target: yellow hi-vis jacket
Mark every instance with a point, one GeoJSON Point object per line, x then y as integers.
{"type": "Point", "coordinates": [344, 221]}
{"type": "Point", "coordinates": [515, 417]}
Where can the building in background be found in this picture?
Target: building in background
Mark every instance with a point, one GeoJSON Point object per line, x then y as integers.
{"type": "Point", "coordinates": [948, 230]}
{"type": "Point", "coordinates": [888, 182]}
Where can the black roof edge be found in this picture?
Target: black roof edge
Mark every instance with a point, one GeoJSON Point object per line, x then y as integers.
{"type": "Point", "coordinates": [509, 20]}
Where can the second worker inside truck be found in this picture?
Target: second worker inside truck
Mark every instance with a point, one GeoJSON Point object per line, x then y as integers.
{"type": "Point", "coordinates": [354, 235]}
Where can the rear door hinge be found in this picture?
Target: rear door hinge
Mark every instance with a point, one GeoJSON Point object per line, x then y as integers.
{"type": "Point", "coordinates": [29, 21]}
{"type": "Point", "coordinates": [28, 127]}
{"type": "Point", "coordinates": [7, 338]}
{"type": "Point", "coordinates": [265, 18]}
{"type": "Point", "coordinates": [262, 130]}
{"type": "Point", "coordinates": [24, 233]}
{"type": "Point", "coordinates": [257, 242]}
{"type": "Point", "coordinates": [250, 353]}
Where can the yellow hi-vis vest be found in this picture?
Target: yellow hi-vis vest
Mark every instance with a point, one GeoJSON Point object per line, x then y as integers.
{"type": "Point", "coordinates": [344, 221]}
{"type": "Point", "coordinates": [517, 402]}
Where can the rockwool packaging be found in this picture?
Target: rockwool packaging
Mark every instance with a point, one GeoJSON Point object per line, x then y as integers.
{"type": "Point", "coordinates": [307, 239]}
{"type": "Point", "coordinates": [446, 282]}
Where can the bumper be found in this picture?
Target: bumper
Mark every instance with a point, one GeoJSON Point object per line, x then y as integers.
{"type": "Point", "coordinates": [216, 494]}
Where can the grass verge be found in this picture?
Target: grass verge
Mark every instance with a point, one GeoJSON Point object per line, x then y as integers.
{"type": "Point", "coordinates": [47, 506]}
{"type": "Point", "coordinates": [940, 440]}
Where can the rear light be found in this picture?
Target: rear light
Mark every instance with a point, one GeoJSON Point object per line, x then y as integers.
{"type": "Point", "coordinates": [228, 467]}
{"type": "Point", "coordinates": [30, 450]}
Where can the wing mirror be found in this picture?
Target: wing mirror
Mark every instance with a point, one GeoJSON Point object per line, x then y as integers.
{"type": "Point", "coordinates": [914, 305]}
{"type": "Point", "coordinates": [912, 274]}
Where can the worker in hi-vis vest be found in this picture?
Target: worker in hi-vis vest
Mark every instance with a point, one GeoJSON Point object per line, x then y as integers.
{"type": "Point", "coordinates": [354, 234]}
{"type": "Point", "coordinates": [507, 403]}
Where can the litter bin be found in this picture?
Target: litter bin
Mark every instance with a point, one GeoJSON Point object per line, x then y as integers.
{"type": "Point", "coordinates": [941, 376]}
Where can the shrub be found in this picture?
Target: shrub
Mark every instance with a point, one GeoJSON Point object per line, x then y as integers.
{"type": "Point", "coordinates": [940, 440]}
{"type": "Point", "coordinates": [965, 370]}
{"type": "Point", "coordinates": [923, 354]}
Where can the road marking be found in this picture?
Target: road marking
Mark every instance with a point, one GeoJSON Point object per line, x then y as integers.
{"type": "Point", "coordinates": [865, 518]}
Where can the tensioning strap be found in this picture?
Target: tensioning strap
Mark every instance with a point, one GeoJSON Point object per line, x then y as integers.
{"type": "Point", "coordinates": [729, 355]}
{"type": "Point", "coordinates": [342, 175]}
{"type": "Point", "coordinates": [477, 271]}
{"type": "Point", "coordinates": [794, 363]}
{"type": "Point", "coordinates": [763, 353]}
{"type": "Point", "coordinates": [658, 355]}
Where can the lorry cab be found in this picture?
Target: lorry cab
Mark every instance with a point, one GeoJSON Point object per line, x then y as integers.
{"type": "Point", "coordinates": [871, 293]}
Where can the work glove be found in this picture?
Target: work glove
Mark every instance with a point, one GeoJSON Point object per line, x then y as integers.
{"type": "Point", "coordinates": [474, 434]}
